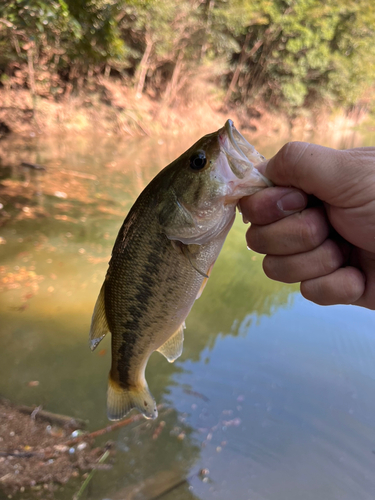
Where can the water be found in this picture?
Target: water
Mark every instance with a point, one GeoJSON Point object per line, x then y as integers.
{"type": "Point", "coordinates": [272, 396]}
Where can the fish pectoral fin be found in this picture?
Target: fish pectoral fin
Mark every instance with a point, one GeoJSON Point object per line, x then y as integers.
{"type": "Point", "coordinates": [172, 348]}
{"type": "Point", "coordinates": [99, 324]}
{"type": "Point", "coordinates": [191, 258]}
{"type": "Point", "coordinates": [204, 282]}
{"type": "Point", "coordinates": [121, 400]}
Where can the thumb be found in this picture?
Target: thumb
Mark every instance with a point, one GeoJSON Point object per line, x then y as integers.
{"type": "Point", "coordinates": [316, 170]}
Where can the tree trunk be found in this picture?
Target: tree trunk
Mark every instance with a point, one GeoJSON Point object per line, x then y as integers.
{"type": "Point", "coordinates": [210, 6]}
{"type": "Point", "coordinates": [30, 64]}
{"type": "Point", "coordinates": [240, 64]}
{"type": "Point", "coordinates": [16, 44]}
{"type": "Point", "coordinates": [143, 66]}
{"type": "Point", "coordinates": [170, 92]}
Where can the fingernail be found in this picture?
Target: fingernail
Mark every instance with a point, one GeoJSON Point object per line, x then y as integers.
{"type": "Point", "coordinates": [292, 202]}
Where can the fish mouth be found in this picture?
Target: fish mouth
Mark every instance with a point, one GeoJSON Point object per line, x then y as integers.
{"type": "Point", "coordinates": [242, 157]}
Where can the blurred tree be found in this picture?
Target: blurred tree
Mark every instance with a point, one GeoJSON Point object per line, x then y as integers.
{"type": "Point", "coordinates": [287, 53]}
{"type": "Point", "coordinates": [58, 36]}
{"type": "Point", "coordinates": [294, 52]}
{"type": "Point", "coordinates": [168, 38]}
{"type": "Point", "coordinates": [34, 28]}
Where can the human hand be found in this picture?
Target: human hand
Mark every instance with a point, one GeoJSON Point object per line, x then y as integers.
{"type": "Point", "coordinates": [320, 231]}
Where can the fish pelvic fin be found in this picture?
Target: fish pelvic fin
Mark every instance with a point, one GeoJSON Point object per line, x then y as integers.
{"type": "Point", "coordinates": [99, 324]}
{"type": "Point", "coordinates": [172, 348]}
{"type": "Point", "coordinates": [121, 400]}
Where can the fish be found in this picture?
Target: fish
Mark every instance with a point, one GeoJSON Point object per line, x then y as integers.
{"type": "Point", "coordinates": [163, 256]}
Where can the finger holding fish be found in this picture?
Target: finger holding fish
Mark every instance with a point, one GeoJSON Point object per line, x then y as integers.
{"type": "Point", "coordinates": [297, 233]}
{"type": "Point", "coordinates": [273, 204]}
{"type": "Point", "coordinates": [323, 260]}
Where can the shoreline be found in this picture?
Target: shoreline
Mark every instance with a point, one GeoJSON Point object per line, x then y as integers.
{"type": "Point", "coordinates": [121, 112]}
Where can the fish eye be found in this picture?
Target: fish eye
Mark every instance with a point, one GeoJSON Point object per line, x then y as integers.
{"type": "Point", "coordinates": [198, 160]}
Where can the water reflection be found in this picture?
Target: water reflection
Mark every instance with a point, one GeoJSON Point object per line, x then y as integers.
{"type": "Point", "coordinates": [156, 459]}
{"type": "Point", "coordinates": [270, 395]}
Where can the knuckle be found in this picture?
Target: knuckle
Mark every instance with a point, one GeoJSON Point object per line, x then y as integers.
{"type": "Point", "coordinates": [310, 233]}
{"type": "Point", "coordinates": [350, 290]}
{"type": "Point", "coordinates": [332, 257]}
{"type": "Point", "coordinates": [290, 154]}
{"type": "Point", "coordinates": [313, 229]}
{"type": "Point", "coordinates": [286, 157]}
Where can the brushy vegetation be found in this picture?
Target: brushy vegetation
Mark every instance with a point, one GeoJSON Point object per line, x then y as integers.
{"type": "Point", "coordinates": [285, 53]}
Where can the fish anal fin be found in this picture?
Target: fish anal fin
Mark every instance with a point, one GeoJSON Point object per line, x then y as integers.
{"type": "Point", "coordinates": [99, 324]}
{"type": "Point", "coordinates": [172, 348]}
{"type": "Point", "coordinates": [204, 282]}
{"type": "Point", "coordinates": [121, 400]}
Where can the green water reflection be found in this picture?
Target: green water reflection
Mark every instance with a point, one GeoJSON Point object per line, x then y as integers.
{"type": "Point", "coordinates": [57, 231]}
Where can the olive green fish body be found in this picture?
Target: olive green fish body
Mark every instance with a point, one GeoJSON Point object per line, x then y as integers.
{"type": "Point", "coordinates": [149, 290]}
{"type": "Point", "coordinates": [160, 263]}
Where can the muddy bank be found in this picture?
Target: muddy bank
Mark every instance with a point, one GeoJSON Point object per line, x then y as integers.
{"type": "Point", "coordinates": [37, 450]}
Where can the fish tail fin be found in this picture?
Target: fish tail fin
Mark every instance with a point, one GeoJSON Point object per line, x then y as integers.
{"type": "Point", "coordinates": [121, 400]}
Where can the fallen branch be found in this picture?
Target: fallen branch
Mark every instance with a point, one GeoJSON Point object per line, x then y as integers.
{"type": "Point", "coordinates": [21, 454]}
{"type": "Point", "coordinates": [34, 166]}
{"type": "Point", "coordinates": [81, 175]}
{"type": "Point", "coordinates": [109, 428]}
{"type": "Point", "coordinates": [53, 418]}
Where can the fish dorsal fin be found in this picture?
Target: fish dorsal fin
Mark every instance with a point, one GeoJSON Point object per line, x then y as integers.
{"type": "Point", "coordinates": [172, 348]}
{"type": "Point", "coordinates": [99, 324]}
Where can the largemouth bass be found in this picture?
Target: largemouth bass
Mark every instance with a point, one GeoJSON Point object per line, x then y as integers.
{"type": "Point", "coordinates": [163, 256]}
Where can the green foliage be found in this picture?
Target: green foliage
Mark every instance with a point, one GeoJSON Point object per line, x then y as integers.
{"type": "Point", "coordinates": [99, 38]}
{"type": "Point", "coordinates": [288, 53]}
{"type": "Point", "coordinates": [308, 49]}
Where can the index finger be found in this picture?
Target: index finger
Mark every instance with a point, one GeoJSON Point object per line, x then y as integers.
{"type": "Point", "coordinates": [272, 204]}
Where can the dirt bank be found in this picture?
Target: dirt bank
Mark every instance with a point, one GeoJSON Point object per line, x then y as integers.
{"type": "Point", "coordinates": [35, 451]}
{"type": "Point", "coordinates": [115, 109]}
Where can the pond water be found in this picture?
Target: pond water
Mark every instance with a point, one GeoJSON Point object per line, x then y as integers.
{"type": "Point", "coordinates": [272, 396]}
